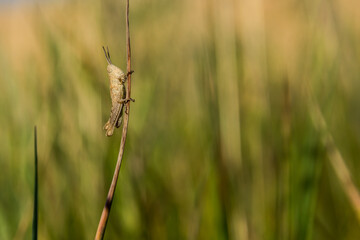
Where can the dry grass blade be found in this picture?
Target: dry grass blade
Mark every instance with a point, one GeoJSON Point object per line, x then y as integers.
{"type": "Point", "coordinates": [335, 157]}
{"type": "Point", "coordinates": [105, 213]}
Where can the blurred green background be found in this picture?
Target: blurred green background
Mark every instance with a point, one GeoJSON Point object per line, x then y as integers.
{"type": "Point", "coordinates": [246, 123]}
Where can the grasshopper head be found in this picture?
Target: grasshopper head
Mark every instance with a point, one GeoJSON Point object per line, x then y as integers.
{"type": "Point", "coordinates": [113, 70]}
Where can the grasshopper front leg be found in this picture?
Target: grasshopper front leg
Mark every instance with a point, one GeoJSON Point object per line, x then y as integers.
{"type": "Point", "coordinates": [127, 75]}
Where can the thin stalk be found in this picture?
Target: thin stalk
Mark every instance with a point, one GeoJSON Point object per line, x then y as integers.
{"type": "Point", "coordinates": [105, 213]}
{"type": "Point", "coordinates": [35, 216]}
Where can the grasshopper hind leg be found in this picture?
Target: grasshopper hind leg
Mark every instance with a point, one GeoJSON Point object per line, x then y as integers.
{"type": "Point", "coordinates": [119, 121]}
{"type": "Point", "coordinates": [114, 120]}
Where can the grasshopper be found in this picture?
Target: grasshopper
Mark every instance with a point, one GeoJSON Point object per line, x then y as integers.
{"type": "Point", "coordinates": [117, 93]}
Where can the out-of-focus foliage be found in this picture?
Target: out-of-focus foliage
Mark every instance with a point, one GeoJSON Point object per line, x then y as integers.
{"type": "Point", "coordinates": [221, 142]}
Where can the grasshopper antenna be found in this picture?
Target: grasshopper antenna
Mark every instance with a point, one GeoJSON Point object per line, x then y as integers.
{"type": "Point", "coordinates": [107, 55]}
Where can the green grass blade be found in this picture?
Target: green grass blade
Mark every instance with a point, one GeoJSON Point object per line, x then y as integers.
{"type": "Point", "coordinates": [35, 216]}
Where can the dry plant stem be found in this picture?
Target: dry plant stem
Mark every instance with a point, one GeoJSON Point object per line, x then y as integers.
{"type": "Point", "coordinates": [105, 213]}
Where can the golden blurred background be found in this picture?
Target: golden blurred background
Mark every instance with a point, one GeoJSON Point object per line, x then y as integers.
{"type": "Point", "coordinates": [246, 123]}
